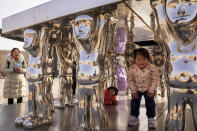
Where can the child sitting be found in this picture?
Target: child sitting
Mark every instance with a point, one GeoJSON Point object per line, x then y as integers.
{"type": "Point", "coordinates": [110, 95]}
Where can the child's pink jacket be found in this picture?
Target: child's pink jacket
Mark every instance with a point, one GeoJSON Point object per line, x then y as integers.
{"type": "Point", "coordinates": [143, 80]}
{"type": "Point", "coordinates": [108, 99]}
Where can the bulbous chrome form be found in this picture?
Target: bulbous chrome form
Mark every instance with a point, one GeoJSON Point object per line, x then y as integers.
{"type": "Point", "coordinates": [158, 59]}
{"type": "Point", "coordinates": [110, 59]}
{"type": "Point", "coordinates": [39, 77]}
{"type": "Point", "coordinates": [28, 124]}
{"type": "Point", "coordinates": [19, 121]}
{"type": "Point", "coordinates": [158, 54]}
{"type": "Point", "coordinates": [30, 39]}
{"type": "Point", "coordinates": [125, 45]}
{"type": "Point", "coordinates": [90, 35]}
{"type": "Point", "coordinates": [178, 26]}
{"type": "Point", "coordinates": [66, 55]}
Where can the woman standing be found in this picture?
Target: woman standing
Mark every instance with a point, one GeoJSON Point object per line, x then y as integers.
{"type": "Point", "coordinates": [14, 85]}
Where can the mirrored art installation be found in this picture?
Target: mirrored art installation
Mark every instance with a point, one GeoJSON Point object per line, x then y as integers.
{"type": "Point", "coordinates": [177, 23]}
{"type": "Point", "coordinates": [39, 77]}
{"type": "Point", "coordinates": [90, 32]}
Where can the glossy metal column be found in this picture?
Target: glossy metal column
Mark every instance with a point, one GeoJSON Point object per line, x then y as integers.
{"type": "Point", "coordinates": [90, 35]}
{"type": "Point", "coordinates": [39, 77]}
{"type": "Point", "coordinates": [66, 53]}
{"type": "Point", "coordinates": [158, 53]}
{"type": "Point", "coordinates": [111, 52]}
{"type": "Point", "coordinates": [128, 25]}
{"type": "Point", "coordinates": [178, 26]}
{"type": "Point", "coordinates": [121, 40]}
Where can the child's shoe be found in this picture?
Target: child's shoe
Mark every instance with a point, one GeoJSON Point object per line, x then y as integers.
{"type": "Point", "coordinates": [133, 121]}
{"type": "Point", "coordinates": [151, 123]}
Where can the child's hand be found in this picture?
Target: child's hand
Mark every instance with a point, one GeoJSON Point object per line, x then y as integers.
{"type": "Point", "coordinates": [150, 94]}
{"type": "Point", "coordinates": [114, 102]}
{"type": "Point", "coordinates": [135, 95]}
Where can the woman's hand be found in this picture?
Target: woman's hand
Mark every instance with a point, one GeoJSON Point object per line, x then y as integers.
{"type": "Point", "coordinates": [16, 69]}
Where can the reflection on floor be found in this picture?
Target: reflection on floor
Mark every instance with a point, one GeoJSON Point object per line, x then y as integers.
{"type": "Point", "coordinates": [66, 120]}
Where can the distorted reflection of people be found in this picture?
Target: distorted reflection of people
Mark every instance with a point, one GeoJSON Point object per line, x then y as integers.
{"type": "Point", "coordinates": [121, 74]}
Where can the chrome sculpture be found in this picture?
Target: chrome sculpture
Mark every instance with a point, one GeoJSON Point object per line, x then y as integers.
{"type": "Point", "coordinates": [110, 66]}
{"type": "Point", "coordinates": [125, 45]}
{"type": "Point", "coordinates": [66, 52]}
{"type": "Point", "coordinates": [39, 77]}
{"type": "Point", "coordinates": [90, 32]}
{"type": "Point", "coordinates": [158, 59]}
{"type": "Point", "coordinates": [158, 55]}
{"type": "Point", "coordinates": [120, 49]}
{"type": "Point", "coordinates": [66, 57]}
{"type": "Point", "coordinates": [178, 27]}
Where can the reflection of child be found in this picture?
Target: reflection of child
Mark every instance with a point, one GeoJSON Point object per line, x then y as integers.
{"type": "Point", "coordinates": [110, 96]}
{"type": "Point", "coordinates": [143, 79]}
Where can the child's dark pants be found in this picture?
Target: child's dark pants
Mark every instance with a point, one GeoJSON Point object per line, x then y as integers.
{"type": "Point", "coordinates": [149, 103]}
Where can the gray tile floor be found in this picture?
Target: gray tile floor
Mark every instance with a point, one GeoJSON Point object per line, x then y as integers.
{"type": "Point", "coordinates": [67, 120]}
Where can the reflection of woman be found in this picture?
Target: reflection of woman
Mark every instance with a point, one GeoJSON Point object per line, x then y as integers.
{"type": "Point", "coordinates": [14, 67]}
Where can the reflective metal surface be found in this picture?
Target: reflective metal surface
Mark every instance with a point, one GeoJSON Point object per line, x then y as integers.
{"type": "Point", "coordinates": [177, 23]}
{"type": "Point", "coordinates": [49, 11]}
{"type": "Point", "coordinates": [121, 40]}
{"type": "Point", "coordinates": [67, 119]}
{"type": "Point", "coordinates": [158, 54]}
{"type": "Point", "coordinates": [125, 45]}
{"type": "Point", "coordinates": [85, 32]}
{"type": "Point", "coordinates": [39, 77]}
{"type": "Point", "coordinates": [66, 53]}
{"type": "Point", "coordinates": [158, 58]}
{"type": "Point", "coordinates": [110, 58]}
{"type": "Point", "coordinates": [94, 34]}
{"type": "Point", "coordinates": [90, 34]}
{"type": "Point", "coordinates": [95, 46]}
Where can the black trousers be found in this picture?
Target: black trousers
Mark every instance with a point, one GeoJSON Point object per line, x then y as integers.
{"type": "Point", "coordinates": [11, 100]}
{"type": "Point", "coordinates": [149, 103]}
